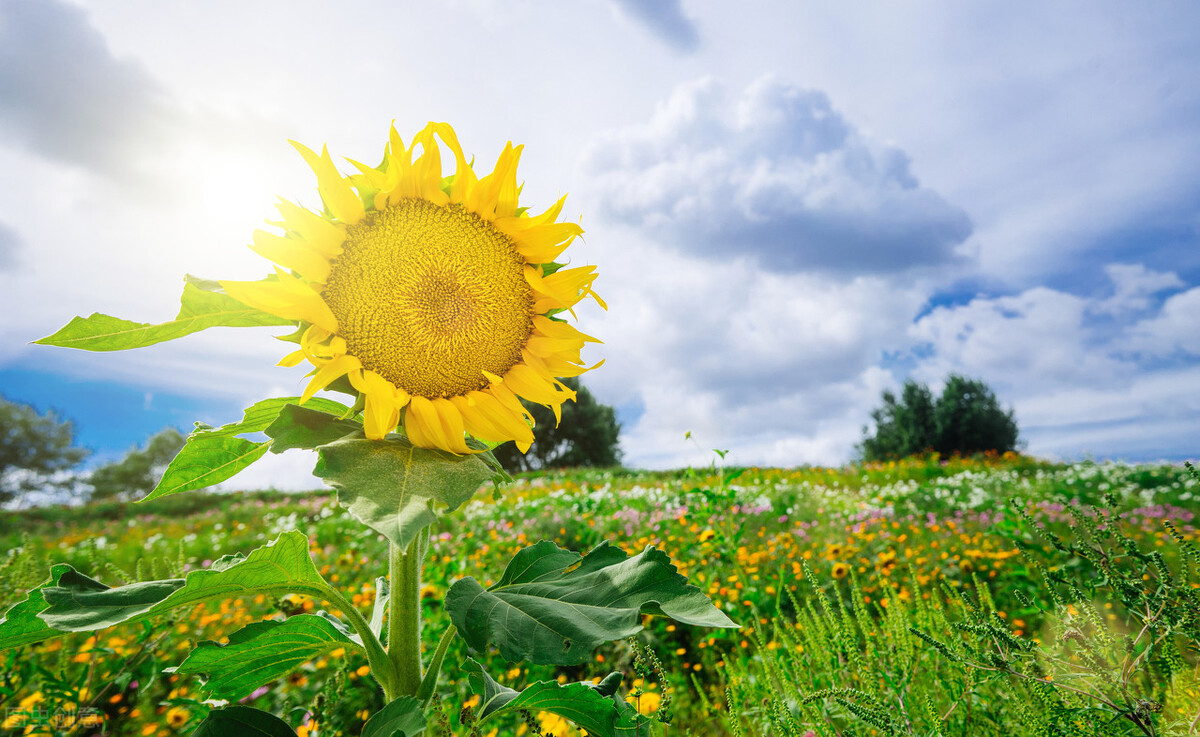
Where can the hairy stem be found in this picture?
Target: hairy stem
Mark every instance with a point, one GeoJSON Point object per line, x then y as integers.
{"type": "Point", "coordinates": [377, 658]}
{"type": "Point", "coordinates": [404, 617]}
{"type": "Point", "coordinates": [429, 683]}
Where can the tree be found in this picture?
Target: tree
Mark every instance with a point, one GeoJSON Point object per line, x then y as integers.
{"type": "Point", "coordinates": [138, 473]}
{"type": "Point", "coordinates": [587, 435]}
{"type": "Point", "coordinates": [969, 419]}
{"type": "Point", "coordinates": [34, 449]}
{"type": "Point", "coordinates": [965, 419]}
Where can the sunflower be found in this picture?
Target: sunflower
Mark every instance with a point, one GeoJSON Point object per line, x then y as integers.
{"type": "Point", "coordinates": [438, 299]}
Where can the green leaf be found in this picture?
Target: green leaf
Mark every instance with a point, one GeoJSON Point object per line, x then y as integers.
{"type": "Point", "coordinates": [302, 427]}
{"type": "Point", "coordinates": [401, 718]}
{"type": "Point", "coordinates": [263, 652]}
{"type": "Point", "coordinates": [391, 485]}
{"type": "Point", "coordinates": [21, 624]}
{"type": "Point", "coordinates": [542, 613]}
{"type": "Point", "coordinates": [78, 603]}
{"type": "Point", "coordinates": [203, 305]}
{"type": "Point", "coordinates": [259, 416]}
{"type": "Point", "coordinates": [242, 721]}
{"type": "Point", "coordinates": [598, 709]}
{"type": "Point", "coordinates": [206, 459]}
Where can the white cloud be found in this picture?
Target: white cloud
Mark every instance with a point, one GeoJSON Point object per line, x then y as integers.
{"type": "Point", "coordinates": [1040, 335]}
{"type": "Point", "coordinates": [1175, 330]}
{"type": "Point", "coordinates": [776, 174]}
{"type": "Point", "coordinates": [1079, 383]}
{"type": "Point", "coordinates": [1134, 288]}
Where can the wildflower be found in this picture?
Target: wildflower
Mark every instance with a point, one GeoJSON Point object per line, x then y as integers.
{"type": "Point", "coordinates": [177, 716]}
{"type": "Point", "coordinates": [432, 297]}
{"type": "Point", "coordinates": [840, 570]}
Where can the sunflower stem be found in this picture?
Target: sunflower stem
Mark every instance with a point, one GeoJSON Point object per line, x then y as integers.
{"type": "Point", "coordinates": [404, 620]}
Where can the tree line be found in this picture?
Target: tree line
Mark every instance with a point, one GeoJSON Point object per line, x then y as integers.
{"type": "Point", "coordinates": [37, 451]}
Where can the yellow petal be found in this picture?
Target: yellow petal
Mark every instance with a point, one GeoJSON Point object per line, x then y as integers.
{"type": "Point", "coordinates": [286, 297]}
{"type": "Point", "coordinates": [384, 401]}
{"type": "Point", "coordinates": [487, 418]}
{"type": "Point", "coordinates": [322, 236]}
{"type": "Point", "coordinates": [506, 198]}
{"type": "Point", "coordinates": [484, 198]}
{"type": "Point", "coordinates": [292, 254]}
{"type": "Point", "coordinates": [292, 359]}
{"type": "Point", "coordinates": [423, 425]}
{"type": "Point", "coordinates": [529, 384]}
{"type": "Point", "coordinates": [427, 170]}
{"type": "Point", "coordinates": [326, 375]}
{"type": "Point", "coordinates": [452, 426]}
{"type": "Point", "coordinates": [335, 191]}
{"type": "Point", "coordinates": [545, 243]}
{"type": "Point", "coordinates": [464, 176]}
{"type": "Point", "coordinates": [560, 330]}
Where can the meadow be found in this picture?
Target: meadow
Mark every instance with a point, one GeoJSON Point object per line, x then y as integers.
{"type": "Point", "coordinates": [986, 596]}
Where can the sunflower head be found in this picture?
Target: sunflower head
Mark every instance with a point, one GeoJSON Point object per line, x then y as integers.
{"type": "Point", "coordinates": [438, 298]}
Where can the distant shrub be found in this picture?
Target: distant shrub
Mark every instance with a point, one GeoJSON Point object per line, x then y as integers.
{"type": "Point", "coordinates": [966, 419]}
{"type": "Point", "coordinates": [33, 449]}
{"type": "Point", "coordinates": [139, 471]}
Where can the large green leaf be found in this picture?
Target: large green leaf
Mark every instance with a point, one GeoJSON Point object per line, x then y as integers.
{"type": "Point", "coordinates": [307, 428]}
{"type": "Point", "coordinates": [401, 718]}
{"type": "Point", "coordinates": [21, 624]}
{"type": "Point", "coordinates": [391, 485]}
{"type": "Point", "coordinates": [203, 305]}
{"type": "Point", "coordinates": [260, 415]}
{"type": "Point", "coordinates": [263, 652]}
{"type": "Point", "coordinates": [214, 454]}
{"type": "Point", "coordinates": [204, 460]}
{"type": "Point", "coordinates": [541, 612]}
{"type": "Point", "coordinates": [242, 721]}
{"type": "Point", "coordinates": [598, 709]}
{"type": "Point", "coordinates": [80, 603]}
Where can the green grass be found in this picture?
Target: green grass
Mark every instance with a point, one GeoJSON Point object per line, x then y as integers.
{"type": "Point", "coordinates": [881, 599]}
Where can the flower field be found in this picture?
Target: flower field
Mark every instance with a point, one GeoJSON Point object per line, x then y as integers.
{"type": "Point", "coordinates": [922, 597]}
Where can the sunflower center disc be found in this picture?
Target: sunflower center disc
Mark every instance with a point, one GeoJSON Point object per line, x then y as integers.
{"type": "Point", "coordinates": [430, 297]}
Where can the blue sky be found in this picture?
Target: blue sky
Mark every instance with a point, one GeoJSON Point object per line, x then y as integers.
{"type": "Point", "coordinates": [794, 206]}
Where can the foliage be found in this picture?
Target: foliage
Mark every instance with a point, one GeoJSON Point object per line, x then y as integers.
{"type": "Point", "coordinates": [966, 419]}
{"type": "Point", "coordinates": [890, 545]}
{"type": "Point", "coordinates": [139, 471]}
{"type": "Point", "coordinates": [33, 449]}
{"type": "Point", "coordinates": [588, 435]}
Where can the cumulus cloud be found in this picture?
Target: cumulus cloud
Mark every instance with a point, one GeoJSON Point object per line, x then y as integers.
{"type": "Point", "coordinates": [665, 19]}
{"type": "Point", "coordinates": [1135, 287]}
{"type": "Point", "coordinates": [1084, 372]}
{"type": "Point", "coordinates": [777, 175]}
{"type": "Point", "coordinates": [62, 92]}
{"type": "Point", "coordinates": [777, 367]}
{"type": "Point", "coordinates": [1174, 331]}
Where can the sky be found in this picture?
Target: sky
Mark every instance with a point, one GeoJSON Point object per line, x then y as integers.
{"type": "Point", "coordinates": [793, 206]}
